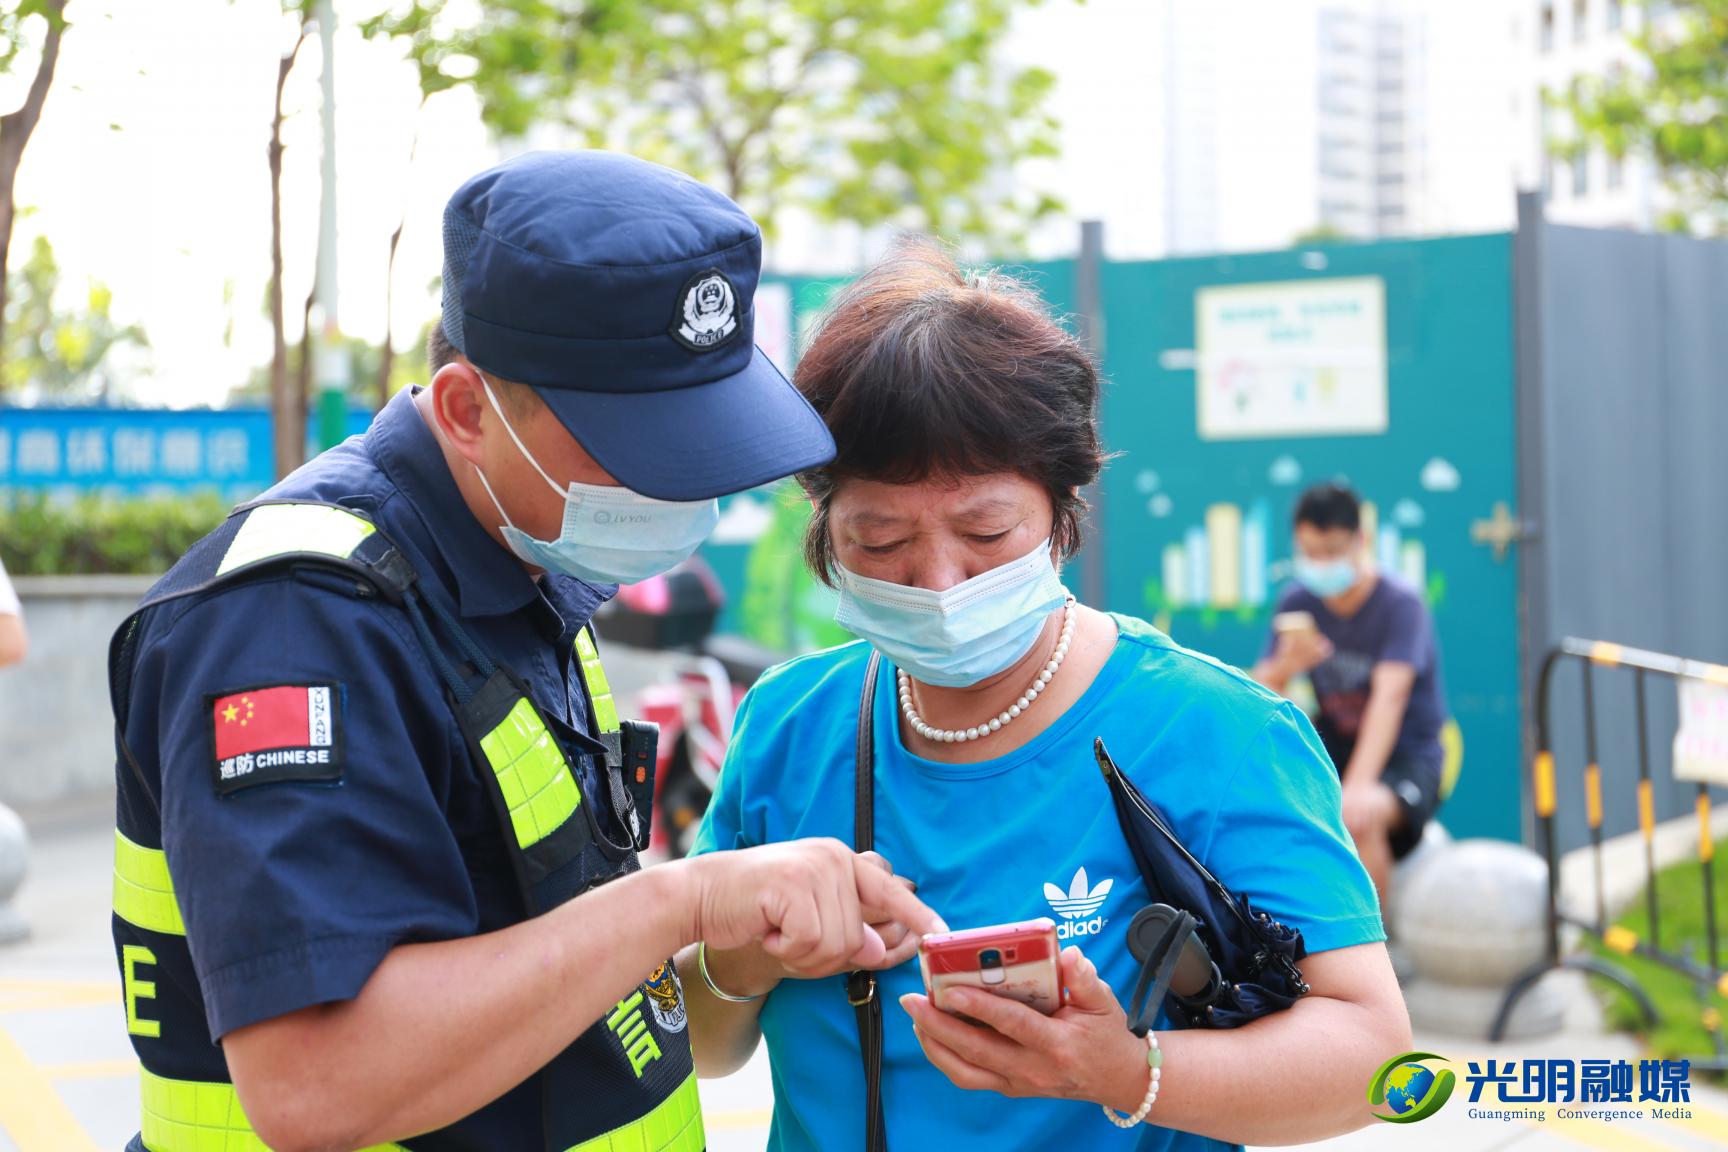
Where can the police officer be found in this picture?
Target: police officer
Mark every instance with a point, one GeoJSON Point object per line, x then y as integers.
{"type": "Point", "coordinates": [375, 874]}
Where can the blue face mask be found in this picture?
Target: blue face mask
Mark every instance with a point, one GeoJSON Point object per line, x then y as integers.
{"type": "Point", "coordinates": [610, 535]}
{"type": "Point", "coordinates": [958, 637]}
{"type": "Point", "coordinates": [1325, 578]}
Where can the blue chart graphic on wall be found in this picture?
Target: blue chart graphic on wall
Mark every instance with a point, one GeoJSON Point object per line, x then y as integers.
{"type": "Point", "coordinates": [1238, 381]}
{"type": "Point", "coordinates": [1223, 562]}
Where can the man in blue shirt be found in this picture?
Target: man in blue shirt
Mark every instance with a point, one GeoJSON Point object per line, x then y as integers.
{"type": "Point", "coordinates": [375, 875]}
{"type": "Point", "coordinates": [1367, 643]}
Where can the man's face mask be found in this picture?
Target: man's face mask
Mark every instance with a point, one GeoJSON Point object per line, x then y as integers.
{"type": "Point", "coordinates": [610, 535]}
{"type": "Point", "coordinates": [1325, 578]}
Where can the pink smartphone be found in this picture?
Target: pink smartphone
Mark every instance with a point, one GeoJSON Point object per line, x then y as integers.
{"type": "Point", "coordinates": [1019, 961]}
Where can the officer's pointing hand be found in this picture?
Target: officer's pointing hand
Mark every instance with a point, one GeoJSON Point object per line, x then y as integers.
{"type": "Point", "coordinates": [807, 903]}
{"type": "Point", "coordinates": [901, 941]}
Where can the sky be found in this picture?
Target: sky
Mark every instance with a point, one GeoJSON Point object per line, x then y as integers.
{"type": "Point", "coordinates": [148, 171]}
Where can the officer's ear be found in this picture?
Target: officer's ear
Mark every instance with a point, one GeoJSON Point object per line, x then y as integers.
{"type": "Point", "coordinates": [460, 406]}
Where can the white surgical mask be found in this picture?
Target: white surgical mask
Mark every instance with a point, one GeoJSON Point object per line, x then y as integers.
{"type": "Point", "coordinates": [962, 635]}
{"type": "Point", "coordinates": [609, 535]}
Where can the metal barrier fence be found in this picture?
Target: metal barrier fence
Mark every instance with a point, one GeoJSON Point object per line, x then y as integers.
{"type": "Point", "coordinates": [1594, 655]}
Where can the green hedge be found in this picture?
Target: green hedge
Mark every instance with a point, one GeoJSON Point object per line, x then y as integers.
{"type": "Point", "coordinates": [41, 537]}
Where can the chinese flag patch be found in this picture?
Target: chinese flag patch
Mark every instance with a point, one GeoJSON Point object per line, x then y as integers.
{"type": "Point", "coordinates": [278, 732]}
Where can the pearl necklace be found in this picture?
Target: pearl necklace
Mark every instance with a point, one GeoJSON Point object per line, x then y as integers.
{"type": "Point", "coordinates": [995, 723]}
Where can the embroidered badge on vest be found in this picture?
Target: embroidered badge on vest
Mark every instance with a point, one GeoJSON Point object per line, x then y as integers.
{"type": "Point", "coordinates": [277, 732]}
{"type": "Point", "coordinates": [666, 998]}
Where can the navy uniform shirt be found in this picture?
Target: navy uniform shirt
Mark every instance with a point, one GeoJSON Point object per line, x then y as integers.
{"type": "Point", "coordinates": [1392, 625]}
{"type": "Point", "coordinates": [293, 892]}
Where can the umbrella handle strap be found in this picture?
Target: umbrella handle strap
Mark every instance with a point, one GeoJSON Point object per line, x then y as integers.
{"type": "Point", "coordinates": [1157, 971]}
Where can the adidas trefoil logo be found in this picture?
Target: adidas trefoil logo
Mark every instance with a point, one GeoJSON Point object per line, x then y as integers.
{"type": "Point", "coordinates": [1078, 906]}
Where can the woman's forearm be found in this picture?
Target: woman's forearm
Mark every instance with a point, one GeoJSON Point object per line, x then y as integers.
{"type": "Point", "coordinates": [723, 1035]}
{"type": "Point", "coordinates": [1269, 1082]}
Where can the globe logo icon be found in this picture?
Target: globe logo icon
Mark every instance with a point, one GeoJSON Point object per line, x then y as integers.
{"type": "Point", "coordinates": [1408, 1089]}
{"type": "Point", "coordinates": [1407, 1086]}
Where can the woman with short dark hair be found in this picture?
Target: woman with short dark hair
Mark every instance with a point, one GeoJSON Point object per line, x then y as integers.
{"type": "Point", "coordinates": [965, 422]}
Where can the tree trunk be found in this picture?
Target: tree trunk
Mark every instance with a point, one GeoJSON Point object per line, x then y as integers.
{"type": "Point", "coordinates": [387, 350]}
{"type": "Point", "coordinates": [15, 130]}
{"type": "Point", "coordinates": [288, 409]}
{"type": "Point", "coordinates": [308, 349]}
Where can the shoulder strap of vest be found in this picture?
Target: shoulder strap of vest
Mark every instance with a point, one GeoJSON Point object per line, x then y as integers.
{"type": "Point", "coordinates": [267, 537]}
{"type": "Point", "coordinates": [275, 535]}
{"type": "Point", "coordinates": [257, 539]}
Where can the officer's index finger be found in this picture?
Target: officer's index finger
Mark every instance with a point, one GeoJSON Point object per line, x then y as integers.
{"type": "Point", "coordinates": [877, 889]}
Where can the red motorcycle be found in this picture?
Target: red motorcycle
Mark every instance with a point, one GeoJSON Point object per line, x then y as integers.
{"type": "Point", "coordinates": [697, 695]}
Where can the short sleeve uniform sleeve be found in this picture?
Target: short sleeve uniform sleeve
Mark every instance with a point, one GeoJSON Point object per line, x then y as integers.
{"type": "Point", "coordinates": [293, 891]}
{"type": "Point", "coordinates": [1278, 835]}
{"type": "Point", "coordinates": [9, 605]}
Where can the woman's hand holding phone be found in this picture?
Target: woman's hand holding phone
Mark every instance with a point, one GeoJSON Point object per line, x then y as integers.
{"type": "Point", "coordinates": [1082, 1052]}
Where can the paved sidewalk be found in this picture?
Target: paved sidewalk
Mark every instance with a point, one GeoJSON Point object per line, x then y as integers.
{"type": "Point", "coordinates": [68, 1082]}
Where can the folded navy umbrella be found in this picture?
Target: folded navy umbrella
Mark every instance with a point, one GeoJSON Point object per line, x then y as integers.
{"type": "Point", "coordinates": [1205, 951]}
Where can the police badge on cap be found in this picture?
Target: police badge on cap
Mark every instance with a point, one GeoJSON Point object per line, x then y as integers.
{"type": "Point", "coordinates": [707, 313]}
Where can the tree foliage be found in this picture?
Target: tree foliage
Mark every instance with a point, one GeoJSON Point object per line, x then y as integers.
{"type": "Point", "coordinates": [1322, 234]}
{"type": "Point", "coordinates": [53, 351]}
{"type": "Point", "coordinates": [896, 112]}
{"type": "Point", "coordinates": [363, 372]}
{"type": "Point", "coordinates": [1674, 108]}
{"type": "Point", "coordinates": [19, 31]}
{"type": "Point", "coordinates": [34, 23]}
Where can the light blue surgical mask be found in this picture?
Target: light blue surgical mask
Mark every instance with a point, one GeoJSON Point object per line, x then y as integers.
{"type": "Point", "coordinates": [962, 635]}
{"type": "Point", "coordinates": [610, 535]}
{"type": "Point", "coordinates": [1325, 578]}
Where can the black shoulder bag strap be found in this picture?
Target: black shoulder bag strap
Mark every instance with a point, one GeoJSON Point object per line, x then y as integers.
{"type": "Point", "coordinates": [861, 985]}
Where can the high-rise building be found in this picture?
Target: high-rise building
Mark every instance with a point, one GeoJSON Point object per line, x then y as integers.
{"type": "Point", "coordinates": [1199, 126]}
{"type": "Point", "coordinates": [1369, 136]}
{"type": "Point", "coordinates": [1564, 43]}
{"type": "Point", "coordinates": [1188, 57]}
{"type": "Point", "coordinates": [1282, 118]}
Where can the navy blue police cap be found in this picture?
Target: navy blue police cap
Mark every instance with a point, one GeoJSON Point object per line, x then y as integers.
{"type": "Point", "coordinates": [622, 292]}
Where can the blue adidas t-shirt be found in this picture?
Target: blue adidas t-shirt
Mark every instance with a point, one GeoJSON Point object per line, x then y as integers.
{"type": "Point", "coordinates": [1238, 771]}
